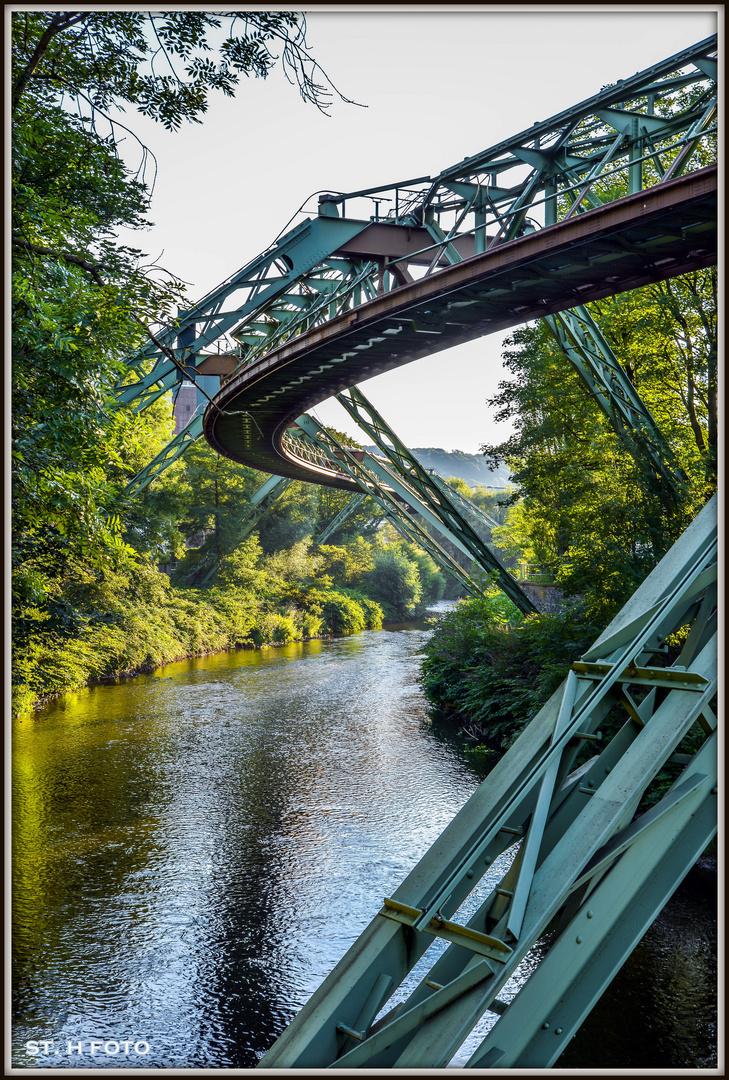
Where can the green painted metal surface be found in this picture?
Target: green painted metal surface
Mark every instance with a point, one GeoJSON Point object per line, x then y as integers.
{"type": "Point", "coordinates": [434, 500]}
{"type": "Point", "coordinates": [592, 866]}
{"type": "Point", "coordinates": [467, 505]}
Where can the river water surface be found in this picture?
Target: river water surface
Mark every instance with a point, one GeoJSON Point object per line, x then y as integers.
{"type": "Point", "coordinates": [195, 849]}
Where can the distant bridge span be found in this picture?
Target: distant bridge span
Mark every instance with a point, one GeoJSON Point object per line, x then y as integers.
{"type": "Point", "coordinates": [646, 237]}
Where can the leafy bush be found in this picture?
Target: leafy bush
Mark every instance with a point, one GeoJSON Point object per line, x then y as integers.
{"type": "Point", "coordinates": [431, 580]}
{"type": "Point", "coordinates": [372, 610]}
{"type": "Point", "coordinates": [480, 669]}
{"type": "Point", "coordinates": [275, 628]}
{"type": "Point", "coordinates": [394, 582]}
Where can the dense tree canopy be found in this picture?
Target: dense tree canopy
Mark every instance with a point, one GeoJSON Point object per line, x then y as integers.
{"type": "Point", "coordinates": [589, 505]}
{"type": "Point", "coordinates": [81, 300]}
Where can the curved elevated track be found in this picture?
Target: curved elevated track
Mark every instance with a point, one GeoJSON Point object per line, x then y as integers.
{"type": "Point", "coordinates": [655, 234]}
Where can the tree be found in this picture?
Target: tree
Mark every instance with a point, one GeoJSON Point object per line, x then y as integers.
{"type": "Point", "coordinates": [213, 494]}
{"type": "Point", "coordinates": [81, 301]}
{"type": "Point", "coordinates": [589, 507]}
{"type": "Point", "coordinates": [394, 582]}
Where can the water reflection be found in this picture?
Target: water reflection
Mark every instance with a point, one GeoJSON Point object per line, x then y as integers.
{"type": "Point", "coordinates": [195, 849]}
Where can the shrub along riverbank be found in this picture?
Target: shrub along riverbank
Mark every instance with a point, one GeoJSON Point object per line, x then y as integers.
{"type": "Point", "coordinates": [488, 671]}
{"type": "Point", "coordinates": [135, 618]}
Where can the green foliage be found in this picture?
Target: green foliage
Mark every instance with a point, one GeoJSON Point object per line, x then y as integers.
{"type": "Point", "coordinates": [109, 623]}
{"type": "Point", "coordinates": [163, 63]}
{"type": "Point", "coordinates": [241, 569]}
{"type": "Point", "coordinates": [583, 504]}
{"type": "Point", "coordinates": [291, 518]}
{"type": "Point", "coordinates": [347, 563]}
{"type": "Point", "coordinates": [488, 668]}
{"type": "Point", "coordinates": [87, 601]}
{"type": "Point", "coordinates": [432, 581]}
{"type": "Point", "coordinates": [394, 582]}
{"type": "Point", "coordinates": [364, 521]}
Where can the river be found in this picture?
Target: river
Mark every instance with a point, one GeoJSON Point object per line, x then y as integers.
{"type": "Point", "coordinates": [195, 849]}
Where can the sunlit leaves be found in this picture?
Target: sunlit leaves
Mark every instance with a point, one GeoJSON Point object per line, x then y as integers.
{"type": "Point", "coordinates": [590, 509]}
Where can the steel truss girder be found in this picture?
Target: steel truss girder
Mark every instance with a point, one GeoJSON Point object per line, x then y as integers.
{"type": "Point", "coordinates": [347, 510]}
{"type": "Point", "coordinates": [261, 501]}
{"type": "Point", "coordinates": [584, 859]}
{"type": "Point", "coordinates": [584, 345]}
{"type": "Point", "coordinates": [324, 266]}
{"type": "Point", "coordinates": [433, 496]}
{"type": "Point", "coordinates": [500, 288]}
{"type": "Point", "coordinates": [295, 264]}
{"type": "Point", "coordinates": [375, 480]}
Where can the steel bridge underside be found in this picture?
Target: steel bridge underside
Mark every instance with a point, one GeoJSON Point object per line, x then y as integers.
{"type": "Point", "coordinates": [643, 238]}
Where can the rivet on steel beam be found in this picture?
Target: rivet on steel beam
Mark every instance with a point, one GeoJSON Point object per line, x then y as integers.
{"type": "Point", "coordinates": [558, 1031]}
{"type": "Point", "coordinates": [578, 939]}
{"type": "Point", "coordinates": [545, 1025]}
{"type": "Point", "coordinates": [590, 913]}
{"type": "Point", "coordinates": [469, 873]}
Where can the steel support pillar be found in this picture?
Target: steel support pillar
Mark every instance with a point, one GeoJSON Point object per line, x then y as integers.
{"type": "Point", "coordinates": [584, 345]}
{"type": "Point", "coordinates": [411, 480]}
{"type": "Point", "coordinates": [591, 866]}
{"type": "Point", "coordinates": [166, 457]}
{"type": "Point", "coordinates": [341, 517]}
{"type": "Point", "coordinates": [375, 480]}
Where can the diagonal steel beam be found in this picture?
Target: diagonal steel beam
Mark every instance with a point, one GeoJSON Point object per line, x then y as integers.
{"type": "Point", "coordinates": [586, 348]}
{"type": "Point", "coordinates": [465, 504]}
{"type": "Point", "coordinates": [439, 508]}
{"type": "Point", "coordinates": [347, 510]}
{"type": "Point", "coordinates": [375, 480]}
{"type": "Point", "coordinates": [595, 859]}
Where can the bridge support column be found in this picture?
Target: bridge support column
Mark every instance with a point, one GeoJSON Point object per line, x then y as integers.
{"type": "Point", "coordinates": [433, 500]}
{"type": "Point", "coordinates": [592, 867]}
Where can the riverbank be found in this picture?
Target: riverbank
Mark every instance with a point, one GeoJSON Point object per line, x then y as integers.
{"type": "Point", "coordinates": [422, 622]}
{"type": "Point", "coordinates": [153, 623]}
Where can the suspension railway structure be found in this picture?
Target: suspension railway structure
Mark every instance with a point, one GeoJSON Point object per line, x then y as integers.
{"type": "Point", "coordinates": [614, 193]}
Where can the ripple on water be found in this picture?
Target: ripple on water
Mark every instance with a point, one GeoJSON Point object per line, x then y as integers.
{"type": "Point", "coordinates": [195, 849]}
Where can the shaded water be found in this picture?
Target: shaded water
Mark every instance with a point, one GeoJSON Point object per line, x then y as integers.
{"type": "Point", "coordinates": [195, 849]}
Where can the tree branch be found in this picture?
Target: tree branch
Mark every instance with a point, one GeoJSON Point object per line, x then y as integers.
{"type": "Point", "coordinates": [56, 26]}
{"type": "Point", "coordinates": [92, 268]}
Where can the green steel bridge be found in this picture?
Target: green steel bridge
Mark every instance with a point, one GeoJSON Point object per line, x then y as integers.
{"type": "Point", "coordinates": [616, 192]}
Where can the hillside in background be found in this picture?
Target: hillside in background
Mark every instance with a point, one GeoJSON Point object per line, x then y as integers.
{"type": "Point", "coordinates": [469, 467]}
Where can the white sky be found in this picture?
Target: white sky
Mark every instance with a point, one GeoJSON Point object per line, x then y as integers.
{"type": "Point", "coordinates": [438, 86]}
